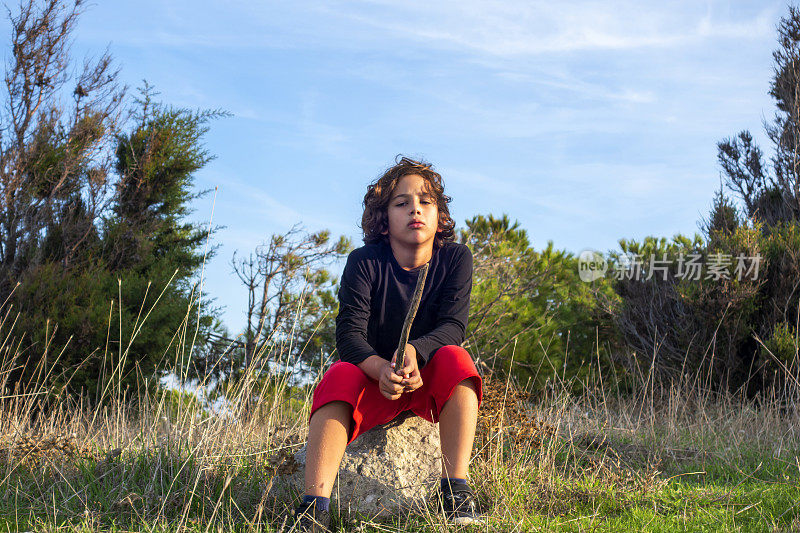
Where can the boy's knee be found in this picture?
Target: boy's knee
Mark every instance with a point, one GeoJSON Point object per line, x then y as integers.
{"type": "Point", "coordinates": [450, 353]}
{"type": "Point", "coordinates": [470, 383]}
{"type": "Point", "coordinates": [344, 371]}
{"type": "Point", "coordinates": [342, 384]}
{"type": "Point", "coordinates": [336, 409]}
{"type": "Point", "coordinates": [450, 361]}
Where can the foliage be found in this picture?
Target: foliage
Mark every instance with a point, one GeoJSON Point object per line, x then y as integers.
{"type": "Point", "coordinates": [291, 307]}
{"type": "Point", "coordinates": [734, 329]}
{"type": "Point", "coordinates": [177, 403]}
{"type": "Point", "coordinates": [782, 344]}
{"type": "Point", "coordinates": [529, 310]}
{"type": "Point", "coordinates": [94, 196]}
{"type": "Point", "coordinates": [678, 319]}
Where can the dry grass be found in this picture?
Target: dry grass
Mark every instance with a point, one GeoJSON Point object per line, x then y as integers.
{"type": "Point", "coordinates": [665, 458]}
{"type": "Point", "coordinates": [556, 464]}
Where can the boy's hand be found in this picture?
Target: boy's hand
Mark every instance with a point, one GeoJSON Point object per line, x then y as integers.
{"type": "Point", "coordinates": [412, 380]}
{"type": "Point", "coordinates": [389, 383]}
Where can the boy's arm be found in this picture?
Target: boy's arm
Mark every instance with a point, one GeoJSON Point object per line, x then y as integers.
{"type": "Point", "coordinates": [354, 308]}
{"type": "Point", "coordinates": [451, 322]}
{"type": "Point", "coordinates": [373, 366]}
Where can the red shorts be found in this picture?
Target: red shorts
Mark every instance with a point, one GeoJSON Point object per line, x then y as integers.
{"type": "Point", "coordinates": [449, 366]}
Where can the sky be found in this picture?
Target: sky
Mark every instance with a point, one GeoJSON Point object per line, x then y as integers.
{"type": "Point", "coordinates": [588, 122]}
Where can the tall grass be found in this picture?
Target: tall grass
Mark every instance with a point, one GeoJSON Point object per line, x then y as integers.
{"type": "Point", "coordinates": [667, 456]}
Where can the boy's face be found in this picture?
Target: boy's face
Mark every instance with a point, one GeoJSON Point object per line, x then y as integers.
{"type": "Point", "coordinates": [413, 213]}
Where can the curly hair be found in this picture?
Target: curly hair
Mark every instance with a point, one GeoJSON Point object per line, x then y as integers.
{"type": "Point", "coordinates": [375, 220]}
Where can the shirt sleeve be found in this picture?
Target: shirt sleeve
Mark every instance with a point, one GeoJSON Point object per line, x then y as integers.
{"type": "Point", "coordinates": [451, 322]}
{"type": "Point", "coordinates": [354, 309]}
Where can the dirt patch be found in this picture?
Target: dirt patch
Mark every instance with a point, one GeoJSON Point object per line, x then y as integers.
{"type": "Point", "coordinates": [32, 448]}
{"type": "Point", "coordinates": [506, 414]}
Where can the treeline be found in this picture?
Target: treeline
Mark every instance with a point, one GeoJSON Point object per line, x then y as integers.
{"type": "Point", "coordinates": [99, 269]}
{"type": "Point", "coordinates": [736, 327]}
{"type": "Point", "coordinates": [720, 308]}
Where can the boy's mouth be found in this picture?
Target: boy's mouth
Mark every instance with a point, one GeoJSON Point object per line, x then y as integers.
{"type": "Point", "coordinates": [416, 224]}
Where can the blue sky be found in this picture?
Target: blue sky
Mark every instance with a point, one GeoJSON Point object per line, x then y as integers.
{"type": "Point", "coordinates": [586, 121]}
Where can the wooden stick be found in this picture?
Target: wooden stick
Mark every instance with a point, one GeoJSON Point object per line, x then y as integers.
{"type": "Point", "coordinates": [400, 361]}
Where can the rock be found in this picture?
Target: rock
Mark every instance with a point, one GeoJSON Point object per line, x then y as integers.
{"type": "Point", "coordinates": [387, 470]}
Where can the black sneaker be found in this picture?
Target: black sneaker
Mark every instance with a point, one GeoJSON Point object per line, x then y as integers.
{"type": "Point", "coordinates": [461, 507]}
{"type": "Point", "coordinates": [308, 519]}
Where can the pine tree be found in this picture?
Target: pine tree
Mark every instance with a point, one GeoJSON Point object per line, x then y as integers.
{"type": "Point", "coordinates": [530, 313]}
{"type": "Point", "coordinates": [93, 199]}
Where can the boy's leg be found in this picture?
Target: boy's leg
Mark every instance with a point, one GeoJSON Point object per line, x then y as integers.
{"type": "Point", "coordinates": [457, 421]}
{"type": "Point", "coordinates": [346, 404]}
{"type": "Point", "coordinates": [327, 438]}
{"type": "Point", "coordinates": [450, 395]}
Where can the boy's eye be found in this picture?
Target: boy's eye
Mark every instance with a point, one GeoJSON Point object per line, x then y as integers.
{"type": "Point", "coordinates": [404, 202]}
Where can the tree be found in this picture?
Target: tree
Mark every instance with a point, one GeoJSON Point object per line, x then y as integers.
{"type": "Point", "coordinates": [678, 321]}
{"type": "Point", "coordinates": [93, 193]}
{"type": "Point", "coordinates": [291, 305]}
{"type": "Point", "coordinates": [531, 306]}
{"type": "Point", "coordinates": [54, 158]}
{"type": "Point", "coordinates": [771, 193]}
{"type": "Point", "coordinates": [733, 330]}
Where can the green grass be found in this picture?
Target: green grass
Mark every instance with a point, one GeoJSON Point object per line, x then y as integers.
{"type": "Point", "coordinates": [661, 459]}
{"type": "Point", "coordinates": [609, 482]}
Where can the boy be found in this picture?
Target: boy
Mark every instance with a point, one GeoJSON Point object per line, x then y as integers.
{"type": "Point", "coordinates": [406, 224]}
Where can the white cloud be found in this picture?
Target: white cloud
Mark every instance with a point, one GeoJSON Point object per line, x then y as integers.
{"type": "Point", "coordinates": [252, 203]}
{"type": "Point", "coordinates": [499, 28]}
{"type": "Point", "coordinates": [511, 28]}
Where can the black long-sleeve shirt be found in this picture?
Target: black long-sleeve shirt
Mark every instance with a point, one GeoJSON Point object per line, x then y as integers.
{"type": "Point", "coordinates": [375, 294]}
